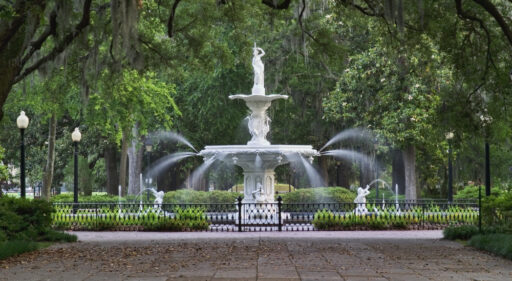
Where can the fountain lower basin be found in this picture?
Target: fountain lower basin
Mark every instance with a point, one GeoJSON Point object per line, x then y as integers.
{"type": "Point", "coordinates": [258, 163]}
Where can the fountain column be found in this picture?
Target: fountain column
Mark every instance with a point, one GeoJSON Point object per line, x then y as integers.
{"type": "Point", "coordinates": [259, 186]}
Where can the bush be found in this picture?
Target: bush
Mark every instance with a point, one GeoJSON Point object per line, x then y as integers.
{"type": "Point", "coordinates": [148, 218]}
{"type": "Point", "coordinates": [500, 244]}
{"type": "Point", "coordinates": [16, 247]}
{"type": "Point", "coordinates": [497, 211]}
{"type": "Point", "coordinates": [189, 196]}
{"type": "Point", "coordinates": [463, 232]}
{"type": "Point", "coordinates": [57, 236]}
{"type": "Point", "coordinates": [23, 219]}
{"type": "Point", "coordinates": [319, 195]}
{"type": "Point", "coordinates": [471, 192]}
{"type": "Point", "coordinates": [104, 198]}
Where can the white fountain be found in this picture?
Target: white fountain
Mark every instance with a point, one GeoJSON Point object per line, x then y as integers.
{"type": "Point", "coordinates": [258, 158]}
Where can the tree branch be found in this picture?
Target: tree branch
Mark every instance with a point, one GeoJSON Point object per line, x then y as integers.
{"type": "Point", "coordinates": [493, 11]}
{"type": "Point", "coordinates": [304, 31]}
{"type": "Point", "coordinates": [61, 46]}
{"type": "Point", "coordinates": [36, 45]}
{"type": "Point", "coordinates": [170, 22]}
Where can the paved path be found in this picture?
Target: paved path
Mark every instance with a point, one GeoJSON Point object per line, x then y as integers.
{"type": "Point", "coordinates": [372, 255]}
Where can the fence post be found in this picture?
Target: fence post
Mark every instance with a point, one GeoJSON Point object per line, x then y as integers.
{"type": "Point", "coordinates": [279, 204]}
{"type": "Point", "coordinates": [422, 216]}
{"type": "Point", "coordinates": [239, 213]}
{"type": "Point", "coordinates": [480, 209]}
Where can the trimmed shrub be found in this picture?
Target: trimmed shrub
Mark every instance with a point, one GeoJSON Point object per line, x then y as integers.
{"type": "Point", "coordinates": [471, 192]}
{"type": "Point", "coordinates": [189, 196]}
{"type": "Point", "coordinates": [16, 247]}
{"type": "Point", "coordinates": [23, 219]}
{"type": "Point", "coordinates": [500, 244]}
{"type": "Point", "coordinates": [104, 198]}
{"type": "Point", "coordinates": [319, 195]}
{"type": "Point", "coordinates": [463, 232]}
{"type": "Point", "coordinates": [57, 236]}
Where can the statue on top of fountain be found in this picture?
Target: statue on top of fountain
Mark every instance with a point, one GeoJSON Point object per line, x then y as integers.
{"type": "Point", "coordinates": [259, 71]}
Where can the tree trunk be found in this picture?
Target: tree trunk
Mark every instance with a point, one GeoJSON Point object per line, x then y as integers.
{"type": "Point", "coordinates": [343, 175]}
{"type": "Point", "coordinates": [409, 155]}
{"type": "Point", "coordinates": [50, 160]}
{"type": "Point", "coordinates": [134, 164]}
{"type": "Point", "coordinates": [123, 161]}
{"type": "Point", "coordinates": [110, 156]}
{"type": "Point", "coordinates": [398, 172]}
{"type": "Point", "coordinates": [323, 162]}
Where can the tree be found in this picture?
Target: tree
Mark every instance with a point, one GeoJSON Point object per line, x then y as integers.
{"type": "Point", "coordinates": [129, 99]}
{"type": "Point", "coordinates": [402, 107]}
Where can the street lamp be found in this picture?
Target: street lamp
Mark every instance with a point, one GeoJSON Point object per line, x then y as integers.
{"type": "Point", "coordinates": [449, 137]}
{"type": "Point", "coordinates": [148, 143]}
{"type": "Point", "coordinates": [76, 136]}
{"type": "Point", "coordinates": [22, 123]}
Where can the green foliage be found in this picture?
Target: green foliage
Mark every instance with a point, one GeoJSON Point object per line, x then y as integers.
{"type": "Point", "coordinates": [463, 232]}
{"type": "Point", "coordinates": [3, 168]}
{"type": "Point", "coordinates": [23, 222]}
{"type": "Point", "coordinates": [189, 196]}
{"type": "Point", "coordinates": [16, 247]}
{"type": "Point", "coordinates": [57, 236]}
{"type": "Point", "coordinates": [125, 218]}
{"type": "Point", "coordinates": [500, 244]}
{"type": "Point", "coordinates": [319, 195]}
{"type": "Point", "coordinates": [471, 192]}
{"type": "Point", "coordinates": [390, 218]}
{"type": "Point", "coordinates": [104, 198]}
{"type": "Point", "coordinates": [23, 219]}
{"type": "Point", "coordinates": [497, 211]}
{"type": "Point", "coordinates": [128, 97]}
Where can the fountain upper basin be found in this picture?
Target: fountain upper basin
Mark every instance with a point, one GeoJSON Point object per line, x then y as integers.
{"type": "Point", "coordinates": [270, 156]}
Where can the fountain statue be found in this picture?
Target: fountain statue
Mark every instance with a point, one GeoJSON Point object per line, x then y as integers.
{"type": "Point", "coordinates": [360, 200]}
{"type": "Point", "coordinates": [258, 158]}
{"type": "Point", "coordinates": [259, 71]}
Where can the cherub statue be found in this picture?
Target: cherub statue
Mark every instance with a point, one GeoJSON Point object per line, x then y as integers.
{"type": "Point", "coordinates": [361, 200]}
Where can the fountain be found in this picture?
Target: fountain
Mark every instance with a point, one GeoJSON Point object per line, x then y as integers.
{"type": "Point", "coordinates": [258, 158]}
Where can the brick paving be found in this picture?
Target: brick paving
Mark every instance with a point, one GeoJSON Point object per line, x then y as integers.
{"type": "Point", "coordinates": [363, 255]}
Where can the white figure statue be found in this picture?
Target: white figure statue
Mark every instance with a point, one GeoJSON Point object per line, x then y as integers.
{"type": "Point", "coordinates": [259, 71]}
{"type": "Point", "coordinates": [159, 199]}
{"type": "Point", "coordinates": [259, 194]}
{"type": "Point", "coordinates": [361, 200]}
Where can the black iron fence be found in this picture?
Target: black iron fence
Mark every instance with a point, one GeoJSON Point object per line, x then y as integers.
{"type": "Point", "coordinates": [277, 216]}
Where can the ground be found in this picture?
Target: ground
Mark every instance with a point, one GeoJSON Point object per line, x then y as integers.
{"type": "Point", "coordinates": [363, 255]}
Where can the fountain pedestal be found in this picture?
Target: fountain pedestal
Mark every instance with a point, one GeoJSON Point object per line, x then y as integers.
{"type": "Point", "coordinates": [258, 158]}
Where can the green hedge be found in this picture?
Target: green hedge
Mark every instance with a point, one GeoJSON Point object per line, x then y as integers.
{"type": "Point", "coordinates": [319, 195]}
{"type": "Point", "coordinates": [189, 196]}
{"type": "Point", "coordinates": [107, 218]}
{"type": "Point", "coordinates": [23, 223]}
{"type": "Point", "coordinates": [23, 219]}
{"type": "Point", "coordinates": [500, 244]}
{"type": "Point", "coordinates": [462, 232]}
{"type": "Point", "coordinates": [104, 198]}
{"type": "Point", "coordinates": [471, 192]}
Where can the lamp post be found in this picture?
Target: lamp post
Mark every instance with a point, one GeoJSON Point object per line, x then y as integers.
{"type": "Point", "coordinates": [487, 169]}
{"type": "Point", "coordinates": [76, 136]}
{"type": "Point", "coordinates": [148, 143]}
{"type": "Point", "coordinates": [449, 137]}
{"type": "Point", "coordinates": [22, 123]}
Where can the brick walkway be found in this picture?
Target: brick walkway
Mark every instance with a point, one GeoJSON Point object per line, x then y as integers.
{"type": "Point", "coordinates": [373, 255]}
